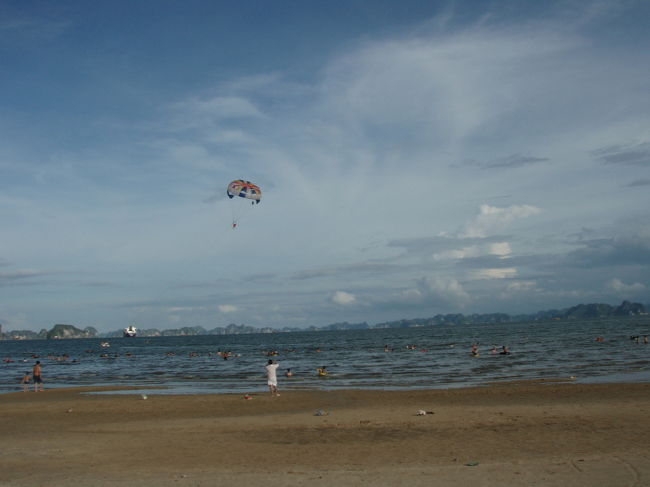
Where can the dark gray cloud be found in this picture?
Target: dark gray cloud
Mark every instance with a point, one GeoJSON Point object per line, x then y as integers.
{"type": "Point", "coordinates": [29, 277]}
{"type": "Point", "coordinates": [638, 183]}
{"type": "Point", "coordinates": [100, 284]}
{"type": "Point", "coordinates": [629, 155]}
{"type": "Point", "coordinates": [509, 162]}
{"type": "Point", "coordinates": [21, 277]}
{"type": "Point", "coordinates": [631, 250]}
{"type": "Point", "coordinates": [370, 268]}
{"type": "Point", "coordinates": [515, 160]}
{"type": "Point", "coordinates": [267, 276]}
{"type": "Point", "coordinates": [487, 261]}
{"type": "Point", "coordinates": [314, 274]}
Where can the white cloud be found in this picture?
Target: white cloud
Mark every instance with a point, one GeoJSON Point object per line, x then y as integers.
{"type": "Point", "coordinates": [36, 30]}
{"type": "Point", "coordinates": [445, 86]}
{"type": "Point", "coordinates": [519, 289]}
{"type": "Point", "coordinates": [227, 308]}
{"type": "Point", "coordinates": [343, 298]}
{"type": "Point", "coordinates": [218, 108]}
{"type": "Point", "coordinates": [502, 249]}
{"type": "Point", "coordinates": [457, 254]}
{"type": "Point", "coordinates": [446, 289]}
{"type": "Point", "coordinates": [504, 273]}
{"type": "Point", "coordinates": [492, 219]}
{"type": "Point", "coordinates": [411, 294]}
{"type": "Point", "coordinates": [521, 286]}
{"type": "Point", "coordinates": [180, 309]}
{"type": "Point", "coordinates": [622, 288]}
{"type": "Point", "coordinates": [207, 120]}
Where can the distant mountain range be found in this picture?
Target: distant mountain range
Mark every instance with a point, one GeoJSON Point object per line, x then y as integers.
{"type": "Point", "coordinates": [579, 312]}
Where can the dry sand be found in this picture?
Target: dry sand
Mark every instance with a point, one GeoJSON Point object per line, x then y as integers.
{"type": "Point", "coordinates": [507, 435]}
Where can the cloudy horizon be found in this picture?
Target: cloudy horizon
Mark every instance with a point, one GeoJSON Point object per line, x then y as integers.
{"type": "Point", "coordinates": [415, 159]}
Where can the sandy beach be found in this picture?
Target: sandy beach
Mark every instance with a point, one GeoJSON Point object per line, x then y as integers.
{"type": "Point", "coordinates": [522, 434]}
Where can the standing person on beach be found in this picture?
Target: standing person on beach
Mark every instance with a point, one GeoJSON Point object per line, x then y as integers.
{"type": "Point", "coordinates": [36, 373]}
{"type": "Point", "coordinates": [272, 378]}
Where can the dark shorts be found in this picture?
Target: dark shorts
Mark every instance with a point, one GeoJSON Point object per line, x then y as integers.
{"type": "Point", "coordinates": [37, 379]}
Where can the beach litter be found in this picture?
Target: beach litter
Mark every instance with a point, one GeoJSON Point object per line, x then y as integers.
{"type": "Point", "coordinates": [471, 464]}
{"type": "Point", "coordinates": [422, 412]}
{"type": "Point", "coordinates": [320, 412]}
{"type": "Point", "coordinates": [143, 396]}
{"type": "Point", "coordinates": [248, 397]}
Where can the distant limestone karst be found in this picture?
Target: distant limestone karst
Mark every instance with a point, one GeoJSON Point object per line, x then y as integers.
{"type": "Point", "coordinates": [70, 331]}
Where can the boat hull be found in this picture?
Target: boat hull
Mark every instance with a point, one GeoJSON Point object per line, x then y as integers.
{"type": "Point", "coordinates": [130, 332]}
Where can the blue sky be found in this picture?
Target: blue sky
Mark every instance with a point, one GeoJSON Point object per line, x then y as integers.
{"type": "Point", "coordinates": [416, 157]}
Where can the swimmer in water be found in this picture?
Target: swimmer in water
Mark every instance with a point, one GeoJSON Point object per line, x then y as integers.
{"type": "Point", "coordinates": [322, 372]}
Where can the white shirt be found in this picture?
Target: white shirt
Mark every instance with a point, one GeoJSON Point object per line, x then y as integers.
{"type": "Point", "coordinates": [271, 372]}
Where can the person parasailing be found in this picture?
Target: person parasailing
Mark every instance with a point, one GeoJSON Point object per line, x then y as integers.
{"type": "Point", "coordinates": [240, 193]}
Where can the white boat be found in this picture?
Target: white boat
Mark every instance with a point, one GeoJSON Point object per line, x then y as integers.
{"type": "Point", "coordinates": [130, 331]}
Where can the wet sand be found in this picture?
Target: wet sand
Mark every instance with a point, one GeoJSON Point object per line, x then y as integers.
{"type": "Point", "coordinates": [523, 434]}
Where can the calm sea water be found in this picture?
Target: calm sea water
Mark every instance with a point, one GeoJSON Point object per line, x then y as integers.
{"type": "Point", "coordinates": [355, 359]}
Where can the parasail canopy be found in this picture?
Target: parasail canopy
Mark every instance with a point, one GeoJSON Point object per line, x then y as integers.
{"type": "Point", "coordinates": [244, 189]}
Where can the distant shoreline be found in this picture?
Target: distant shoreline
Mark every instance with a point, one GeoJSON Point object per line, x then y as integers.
{"type": "Point", "coordinates": [580, 312]}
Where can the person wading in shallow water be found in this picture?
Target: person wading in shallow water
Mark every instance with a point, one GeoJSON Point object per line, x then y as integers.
{"type": "Point", "coordinates": [25, 381]}
{"type": "Point", "coordinates": [272, 378]}
{"type": "Point", "coordinates": [38, 380]}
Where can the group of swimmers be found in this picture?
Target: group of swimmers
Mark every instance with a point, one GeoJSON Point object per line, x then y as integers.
{"type": "Point", "coordinates": [321, 371]}
{"type": "Point", "coordinates": [504, 350]}
{"type": "Point", "coordinates": [58, 358]}
{"type": "Point", "coordinates": [636, 339]}
{"type": "Point", "coordinates": [408, 347]}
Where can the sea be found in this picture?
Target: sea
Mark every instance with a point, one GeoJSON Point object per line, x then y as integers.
{"type": "Point", "coordinates": [392, 359]}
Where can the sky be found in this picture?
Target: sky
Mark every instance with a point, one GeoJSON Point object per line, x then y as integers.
{"type": "Point", "coordinates": [415, 158]}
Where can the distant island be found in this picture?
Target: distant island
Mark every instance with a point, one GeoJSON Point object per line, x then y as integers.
{"type": "Point", "coordinates": [57, 332]}
{"type": "Point", "coordinates": [579, 312]}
